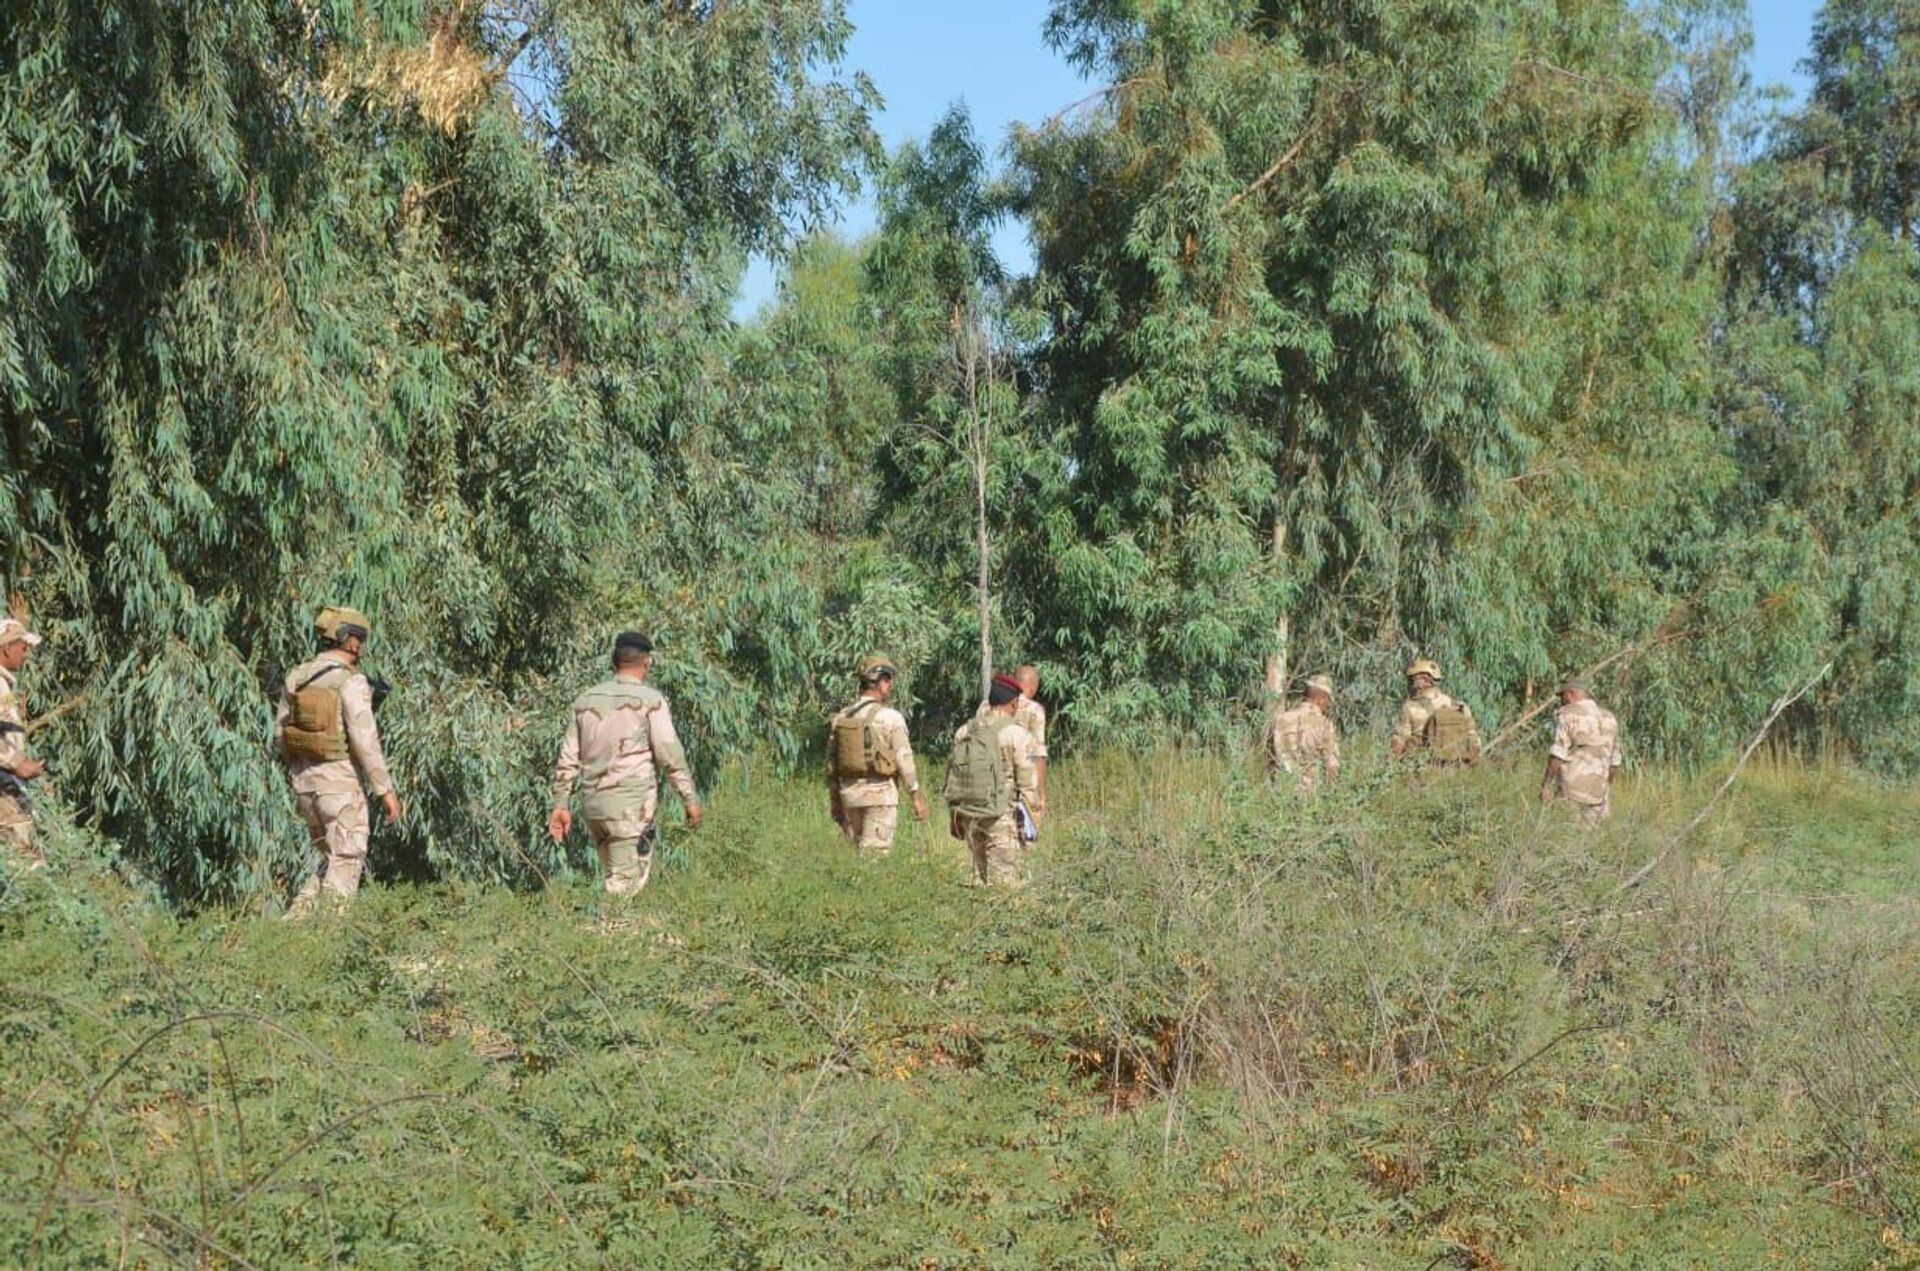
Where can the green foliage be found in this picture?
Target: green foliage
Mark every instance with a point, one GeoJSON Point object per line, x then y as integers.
{"type": "Point", "coordinates": [1222, 1028]}
{"type": "Point", "coordinates": [415, 307]}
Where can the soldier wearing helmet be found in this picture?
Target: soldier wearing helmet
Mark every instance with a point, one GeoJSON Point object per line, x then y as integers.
{"type": "Point", "coordinates": [1584, 756]}
{"type": "Point", "coordinates": [326, 734]}
{"type": "Point", "coordinates": [1433, 725]}
{"type": "Point", "coordinates": [870, 760]}
{"type": "Point", "coordinates": [1302, 743]}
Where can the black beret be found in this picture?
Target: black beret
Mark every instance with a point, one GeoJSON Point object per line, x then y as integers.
{"type": "Point", "coordinates": [632, 640]}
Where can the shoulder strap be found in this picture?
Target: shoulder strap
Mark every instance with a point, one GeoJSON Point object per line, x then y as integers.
{"type": "Point", "coordinates": [330, 667]}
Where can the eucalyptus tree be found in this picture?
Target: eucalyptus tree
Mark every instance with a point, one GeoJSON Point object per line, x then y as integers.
{"type": "Point", "coordinates": [1303, 266]}
{"type": "Point", "coordinates": [414, 306]}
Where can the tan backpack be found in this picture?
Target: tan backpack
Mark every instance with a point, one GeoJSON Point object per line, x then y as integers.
{"type": "Point", "coordinates": [857, 753]}
{"type": "Point", "coordinates": [316, 727]}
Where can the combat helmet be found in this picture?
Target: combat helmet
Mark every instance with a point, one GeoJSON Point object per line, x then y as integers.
{"type": "Point", "coordinates": [1322, 684]}
{"type": "Point", "coordinates": [875, 667]}
{"type": "Point", "coordinates": [335, 624]}
{"type": "Point", "coordinates": [1424, 666]}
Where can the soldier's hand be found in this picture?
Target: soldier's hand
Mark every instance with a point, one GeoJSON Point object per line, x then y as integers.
{"type": "Point", "coordinates": [953, 826]}
{"type": "Point", "coordinates": [390, 802]}
{"type": "Point", "coordinates": [919, 806]}
{"type": "Point", "coordinates": [1546, 793]}
{"type": "Point", "coordinates": [559, 824]}
{"type": "Point", "coordinates": [30, 768]}
{"type": "Point", "coordinates": [694, 815]}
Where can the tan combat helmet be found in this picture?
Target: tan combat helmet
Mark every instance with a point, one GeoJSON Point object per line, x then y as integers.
{"type": "Point", "coordinates": [1573, 684]}
{"type": "Point", "coordinates": [334, 624]}
{"type": "Point", "coordinates": [1424, 666]}
{"type": "Point", "coordinates": [1321, 684]}
{"type": "Point", "coordinates": [875, 667]}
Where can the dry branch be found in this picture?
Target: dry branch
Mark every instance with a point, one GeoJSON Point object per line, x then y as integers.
{"type": "Point", "coordinates": [1779, 708]}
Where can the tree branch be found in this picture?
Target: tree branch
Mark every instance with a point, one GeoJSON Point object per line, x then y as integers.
{"type": "Point", "coordinates": [1279, 165]}
{"type": "Point", "coordinates": [1779, 708]}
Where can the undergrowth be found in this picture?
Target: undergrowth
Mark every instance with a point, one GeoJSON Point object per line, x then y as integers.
{"type": "Point", "coordinates": [1400, 1026]}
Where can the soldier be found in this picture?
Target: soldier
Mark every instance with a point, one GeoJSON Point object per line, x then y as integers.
{"type": "Point", "coordinates": [869, 761]}
{"type": "Point", "coordinates": [16, 769]}
{"type": "Point", "coordinates": [1433, 725]}
{"type": "Point", "coordinates": [1032, 716]}
{"type": "Point", "coordinates": [991, 785]}
{"type": "Point", "coordinates": [1303, 742]}
{"type": "Point", "coordinates": [619, 735]}
{"type": "Point", "coordinates": [1584, 756]}
{"type": "Point", "coordinates": [326, 735]}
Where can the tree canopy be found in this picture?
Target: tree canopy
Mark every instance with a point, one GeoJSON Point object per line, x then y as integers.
{"type": "Point", "coordinates": [1517, 334]}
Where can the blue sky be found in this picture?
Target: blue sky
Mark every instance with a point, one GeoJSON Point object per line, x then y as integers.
{"type": "Point", "coordinates": [990, 54]}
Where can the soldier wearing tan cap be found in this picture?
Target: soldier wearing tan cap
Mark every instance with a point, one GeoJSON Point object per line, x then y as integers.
{"type": "Point", "coordinates": [1432, 725]}
{"type": "Point", "coordinates": [870, 761]}
{"type": "Point", "coordinates": [327, 737]}
{"type": "Point", "coordinates": [620, 737]}
{"type": "Point", "coordinates": [1302, 742]}
{"type": "Point", "coordinates": [16, 813]}
{"type": "Point", "coordinates": [1584, 756]}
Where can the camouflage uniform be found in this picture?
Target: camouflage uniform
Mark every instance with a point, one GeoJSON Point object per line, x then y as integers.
{"type": "Point", "coordinates": [1586, 741]}
{"type": "Point", "coordinates": [1032, 716]}
{"type": "Point", "coordinates": [327, 793]}
{"type": "Point", "coordinates": [619, 734]}
{"type": "Point", "coordinates": [1303, 743]}
{"type": "Point", "coordinates": [995, 842]}
{"type": "Point", "coordinates": [870, 806]}
{"type": "Point", "coordinates": [16, 818]}
{"type": "Point", "coordinates": [1411, 727]}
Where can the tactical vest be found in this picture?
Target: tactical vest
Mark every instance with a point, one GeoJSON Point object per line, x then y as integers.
{"type": "Point", "coordinates": [316, 727]}
{"type": "Point", "coordinates": [979, 779]}
{"type": "Point", "coordinates": [1449, 736]}
{"type": "Point", "coordinates": [857, 753]}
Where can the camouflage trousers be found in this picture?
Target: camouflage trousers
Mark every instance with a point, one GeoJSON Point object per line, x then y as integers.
{"type": "Point", "coordinates": [338, 830]}
{"type": "Point", "coordinates": [1593, 813]}
{"type": "Point", "coordinates": [621, 826]}
{"type": "Point", "coordinates": [16, 831]}
{"type": "Point", "coordinates": [871, 828]}
{"type": "Point", "coordinates": [996, 847]}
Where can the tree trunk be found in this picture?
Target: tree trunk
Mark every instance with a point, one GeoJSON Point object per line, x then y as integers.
{"type": "Point", "coordinates": [1282, 627]}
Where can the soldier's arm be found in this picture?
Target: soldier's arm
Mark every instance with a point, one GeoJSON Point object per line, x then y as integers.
{"type": "Point", "coordinates": [1026, 779]}
{"type": "Point", "coordinates": [566, 767]}
{"type": "Point", "coordinates": [363, 735]}
{"type": "Point", "coordinates": [1558, 753]}
{"type": "Point", "coordinates": [13, 735]}
{"type": "Point", "coordinates": [280, 711]}
{"type": "Point", "coordinates": [1332, 756]}
{"type": "Point", "coordinates": [1403, 730]}
{"type": "Point", "coordinates": [668, 753]}
{"type": "Point", "coordinates": [901, 746]}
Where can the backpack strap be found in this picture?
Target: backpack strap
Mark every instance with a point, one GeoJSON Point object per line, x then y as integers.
{"type": "Point", "coordinates": [325, 670]}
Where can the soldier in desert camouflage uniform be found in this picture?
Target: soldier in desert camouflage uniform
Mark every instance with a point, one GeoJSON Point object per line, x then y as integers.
{"type": "Point", "coordinates": [16, 814]}
{"type": "Point", "coordinates": [870, 761]}
{"type": "Point", "coordinates": [1032, 716]}
{"type": "Point", "coordinates": [1584, 756]}
{"type": "Point", "coordinates": [1302, 742]}
{"type": "Point", "coordinates": [990, 785]}
{"type": "Point", "coordinates": [326, 734]}
{"type": "Point", "coordinates": [1414, 732]}
{"type": "Point", "coordinates": [619, 736]}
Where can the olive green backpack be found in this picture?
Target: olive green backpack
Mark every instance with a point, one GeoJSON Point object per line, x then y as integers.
{"type": "Point", "coordinates": [979, 782]}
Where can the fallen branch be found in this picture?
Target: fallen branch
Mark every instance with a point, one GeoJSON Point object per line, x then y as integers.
{"type": "Point", "coordinates": [1779, 708]}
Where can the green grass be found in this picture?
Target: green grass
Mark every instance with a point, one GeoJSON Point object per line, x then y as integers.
{"type": "Point", "coordinates": [1395, 1028]}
